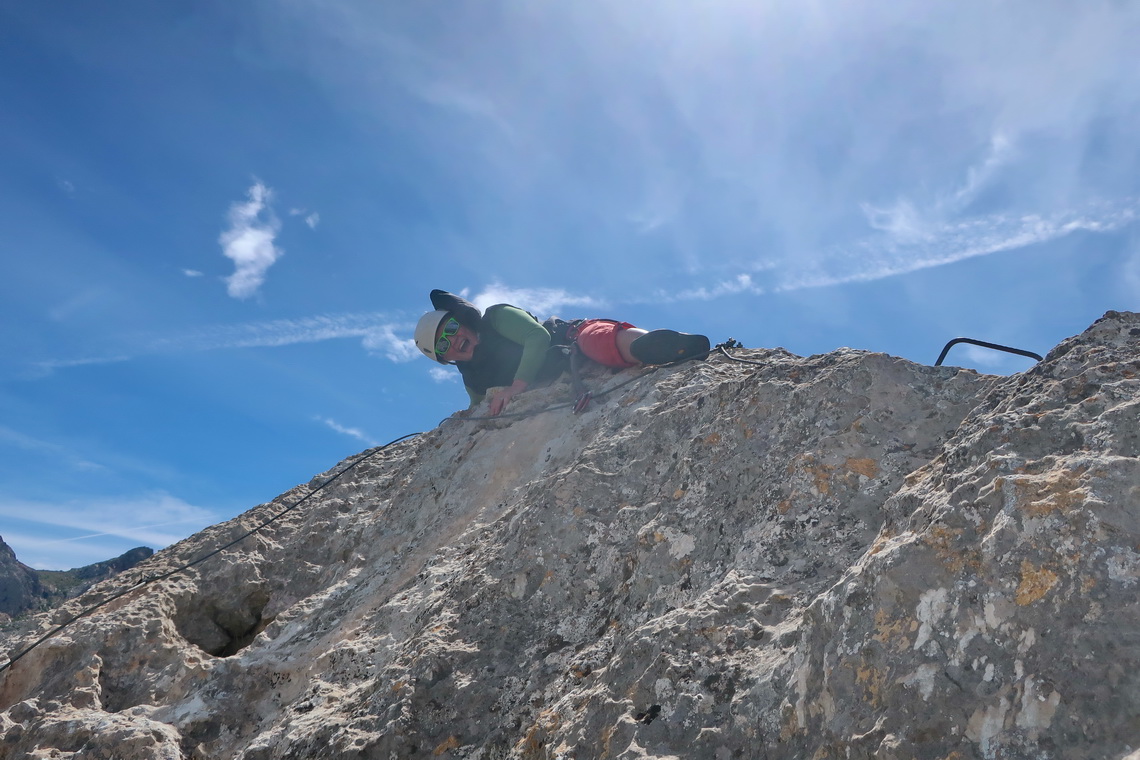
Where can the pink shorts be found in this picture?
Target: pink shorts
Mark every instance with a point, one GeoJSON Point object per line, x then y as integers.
{"type": "Point", "coordinates": [598, 340]}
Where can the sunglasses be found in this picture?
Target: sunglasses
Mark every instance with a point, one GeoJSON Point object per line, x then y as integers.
{"type": "Point", "coordinates": [450, 327]}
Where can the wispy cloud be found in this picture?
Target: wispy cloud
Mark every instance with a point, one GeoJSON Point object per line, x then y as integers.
{"type": "Point", "coordinates": [311, 219]}
{"type": "Point", "coordinates": [191, 273]}
{"type": "Point", "coordinates": [901, 220]}
{"type": "Point", "coordinates": [742, 283]}
{"type": "Point", "coordinates": [661, 205]}
{"type": "Point", "coordinates": [383, 339]}
{"type": "Point", "coordinates": [908, 221]}
{"type": "Point", "coordinates": [986, 357]}
{"type": "Point", "coordinates": [45, 367]}
{"type": "Point", "coordinates": [907, 244]}
{"type": "Point", "coordinates": [11, 437]}
{"type": "Point", "coordinates": [81, 304]}
{"type": "Point", "coordinates": [39, 527]}
{"type": "Point", "coordinates": [249, 241]}
{"type": "Point", "coordinates": [765, 125]}
{"type": "Point", "coordinates": [947, 242]}
{"type": "Point", "coordinates": [540, 301]}
{"type": "Point", "coordinates": [349, 431]}
{"type": "Point", "coordinates": [978, 177]}
{"type": "Point", "coordinates": [16, 439]}
{"type": "Point", "coordinates": [276, 332]}
{"type": "Point", "coordinates": [462, 99]}
{"type": "Point", "coordinates": [443, 375]}
{"type": "Point", "coordinates": [378, 332]}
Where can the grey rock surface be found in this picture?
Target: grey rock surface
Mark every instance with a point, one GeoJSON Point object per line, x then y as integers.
{"type": "Point", "coordinates": [838, 556]}
{"type": "Point", "coordinates": [19, 585]}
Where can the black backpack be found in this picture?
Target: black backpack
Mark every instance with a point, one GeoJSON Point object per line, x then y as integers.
{"type": "Point", "coordinates": [560, 330]}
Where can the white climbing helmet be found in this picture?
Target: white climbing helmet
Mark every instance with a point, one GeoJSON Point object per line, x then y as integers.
{"type": "Point", "coordinates": [426, 331]}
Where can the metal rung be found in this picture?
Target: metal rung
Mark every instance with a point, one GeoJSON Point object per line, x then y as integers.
{"type": "Point", "coordinates": [984, 344]}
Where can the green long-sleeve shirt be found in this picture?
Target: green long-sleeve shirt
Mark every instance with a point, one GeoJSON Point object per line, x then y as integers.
{"type": "Point", "coordinates": [512, 346]}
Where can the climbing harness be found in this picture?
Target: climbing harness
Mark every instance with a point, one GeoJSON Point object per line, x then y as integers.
{"type": "Point", "coordinates": [582, 395]}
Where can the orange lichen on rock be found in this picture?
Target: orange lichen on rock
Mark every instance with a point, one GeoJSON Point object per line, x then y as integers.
{"type": "Point", "coordinates": [1058, 491]}
{"type": "Point", "coordinates": [868, 468]}
{"type": "Point", "coordinates": [1035, 583]}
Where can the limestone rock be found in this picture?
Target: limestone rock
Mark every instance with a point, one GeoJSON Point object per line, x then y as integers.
{"type": "Point", "coordinates": [20, 588]}
{"type": "Point", "coordinates": [838, 556]}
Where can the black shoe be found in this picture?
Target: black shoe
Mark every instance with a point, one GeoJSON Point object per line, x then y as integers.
{"type": "Point", "coordinates": [668, 346]}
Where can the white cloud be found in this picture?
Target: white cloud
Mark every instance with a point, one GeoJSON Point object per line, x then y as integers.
{"type": "Point", "coordinates": [742, 283]}
{"type": "Point", "coordinates": [907, 223]}
{"type": "Point", "coordinates": [26, 442]}
{"type": "Point", "coordinates": [952, 241]}
{"type": "Point", "coordinates": [383, 339]}
{"type": "Point", "coordinates": [662, 204]}
{"type": "Point", "coordinates": [312, 219]}
{"type": "Point", "coordinates": [542, 302]}
{"type": "Point", "coordinates": [82, 304]}
{"type": "Point", "coordinates": [63, 554]}
{"type": "Point", "coordinates": [191, 273]}
{"type": "Point", "coordinates": [461, 99]}
{"type": "Point", "coordinates": [978, 177]}
{"type": "Point", "coordinates": [280, 332]}
{"type": "Point", "coordinates": [376, 331]}
{"type": "Point", "coordinates": [45, 367]}
{"type": "Point", "coordinates": [983, 357]}
{"type": "Point", "coordinates": [443, 374]}
{"type": "Point", "coordinates": [14, 438]}
{"type": "Point", "coordinates": [761, 128]}
{"type": "Point", "coordinates": [42, 539]}
{"type": "Point", "coordinates": [351, 432]}
{"type": "Point", "coordinates": [249, 241]}
{"type": "Point", "coordinates": [901, 220]}
{"type": "Point", "coordinates": [1041, 68]}
{"type": "Point", "coordinates": [902, 249]}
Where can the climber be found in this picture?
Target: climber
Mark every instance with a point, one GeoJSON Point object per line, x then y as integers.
{"type": "Point", "coordinates": [508, 349]}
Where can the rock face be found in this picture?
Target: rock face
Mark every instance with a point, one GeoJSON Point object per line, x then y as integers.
{"type": "Point", "coordinates": [839, 556]}
{"type": "Point", "coordinates": [20, 587]}
{"type": "Point", "coordinates": [23, 588]}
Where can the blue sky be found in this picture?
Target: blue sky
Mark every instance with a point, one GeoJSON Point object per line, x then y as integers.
{"type": "Point", "coordinates": [220, 221]}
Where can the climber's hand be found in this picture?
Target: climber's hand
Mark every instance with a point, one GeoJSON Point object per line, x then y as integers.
{"type": "Point", "coordinates": [501, 398]}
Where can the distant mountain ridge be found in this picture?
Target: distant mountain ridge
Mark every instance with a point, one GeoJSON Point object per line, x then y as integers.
{"type": "Point", "coordinates": [24, 588]}
{"type": "Point", "coordinates": [20, 587]}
